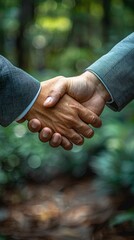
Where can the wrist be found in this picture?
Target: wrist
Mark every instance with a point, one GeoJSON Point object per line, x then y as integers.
{"type": "Point", "coordinates": [99, 86]}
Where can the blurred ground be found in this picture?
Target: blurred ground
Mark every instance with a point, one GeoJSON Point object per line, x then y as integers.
{"type": "Point", "coordinates": [64, 208]}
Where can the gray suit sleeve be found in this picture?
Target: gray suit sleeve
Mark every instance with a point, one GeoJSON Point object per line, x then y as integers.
{"type": "Point", "coordinates": [17, 90]}
{"type": "Point", "coordinates": [116, 71]}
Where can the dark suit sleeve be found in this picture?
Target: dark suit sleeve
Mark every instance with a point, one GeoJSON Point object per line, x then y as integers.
{"type": "Point", "coordinates": [116, 71]}
{"type": "Point", "coordinates": [17, 90]}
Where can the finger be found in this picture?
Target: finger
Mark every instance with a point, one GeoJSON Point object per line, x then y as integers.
{"type": "Point", "coordinates": [66, 144]}
{"type": "Point", "coordinates": [59, 89]}
{"type": "Point", "coordinates": [55, 140]}
{"type": "Point", "coordinates": [89, 117]}
{"type": "Point", "coordinates": [74, 137]}
{"type": "Point", "coordinates": [84, 130]}
{"type": "Point", "coordinates": [45, 135]}
{"type": "Point", "coordinates": [34, 125]}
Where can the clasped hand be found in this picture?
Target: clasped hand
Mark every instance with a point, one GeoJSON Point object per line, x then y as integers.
{"type": "Point", "coordinates": [65, 107]}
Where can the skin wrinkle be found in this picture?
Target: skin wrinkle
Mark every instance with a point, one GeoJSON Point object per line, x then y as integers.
{"type": "Point", "coordinates": [65, 118]}
{"type": "Point", "coordinates": [117, 67]}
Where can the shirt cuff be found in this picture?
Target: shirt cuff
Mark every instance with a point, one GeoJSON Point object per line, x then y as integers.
{"type": "Point", "coordinates": [28, 107]}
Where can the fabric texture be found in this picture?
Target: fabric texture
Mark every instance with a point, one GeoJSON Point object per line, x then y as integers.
{"type": "Point", "coordinates": [116, 71]}
{"type": "Point", "coordinates": [29, 106]}
{"type": "Point", "coordinates": [17, 90]}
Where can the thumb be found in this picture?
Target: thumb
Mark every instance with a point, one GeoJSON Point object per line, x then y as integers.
{"type": "Point", "coordinates": [54, 95]}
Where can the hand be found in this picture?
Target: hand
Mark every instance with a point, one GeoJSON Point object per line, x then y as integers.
{"type": "Point", "coordinates": [68, 117]}
{"type": "Point", "coordinates": [86, 88]}
{"type": "Point", "coordinates": [46, 135]}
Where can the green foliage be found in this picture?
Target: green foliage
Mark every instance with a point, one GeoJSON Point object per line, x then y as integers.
{"type": "Point", "coordinates": [110, 153]}
{"type": "Point", "coordinates": [72, 60]}
{"type": "Point", "coordinates": [3, 238]}
{"type": "Point", "coordinates": [64, 37]}
{"type": "Point", "coordinates": [23, 156]}
{"type": "Point", "coordinates": [127, 216]}
{"type": "Point", "coordinates": [114, 165]}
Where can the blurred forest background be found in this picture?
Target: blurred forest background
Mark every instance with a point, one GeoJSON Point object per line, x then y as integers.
{"type": "Point", "coordinates": [62, 37]}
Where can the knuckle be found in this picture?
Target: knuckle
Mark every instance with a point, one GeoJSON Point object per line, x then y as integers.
{"type": "Point", "coordinates": [58, 129]}
{"type": "Point", "coordinates": [71, 120]}
{"type": "Point", "coordinates": [90, 133]}
{"type": "Point", "coordinates": [66, 145]}
{"type": "Point", "coordinates": [80, 128]}
{"type": "Point", "coordinates": [78, 140]}
{"type": "Point", "coordinates": [76, 108]}
{"type": "Point", "coordinates": [99, 123]}
{"type": "Point", "coordinates": [93, 119]}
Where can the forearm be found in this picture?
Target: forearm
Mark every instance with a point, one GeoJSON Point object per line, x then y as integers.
{"type": "Point", "coordinates": [116, 71]}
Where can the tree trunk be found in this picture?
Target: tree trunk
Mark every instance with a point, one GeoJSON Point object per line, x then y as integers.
{"type": "Point", "coordinates": [106, 20]}
{"type": "Point", "coordinates": [26, 16]}
{"type": "Point", "coordinates": [79, 34]}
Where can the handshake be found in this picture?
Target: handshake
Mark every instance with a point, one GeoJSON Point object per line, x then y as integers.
{"type": "Point", "coordinates": [65, 107]}
{"type": "Point", "coordinates": [64, 110]}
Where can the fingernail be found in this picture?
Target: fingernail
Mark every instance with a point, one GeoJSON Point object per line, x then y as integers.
{"type": "Point", "coordinates": [33, 125]}
{"type": "Point", "coordinates": [45, 135]}
{"type": "Point", "coordinates": [48, 100]}
{"type": "Point", "coordinates": [55, 139]}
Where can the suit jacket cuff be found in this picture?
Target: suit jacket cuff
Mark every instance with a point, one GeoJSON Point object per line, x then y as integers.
{"type": "Point", "coordinates": [116, 71]}
{"type": "Point", "coordinates": [17, 90]}
{"type": "Point", "coordinates": [28, 107]}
